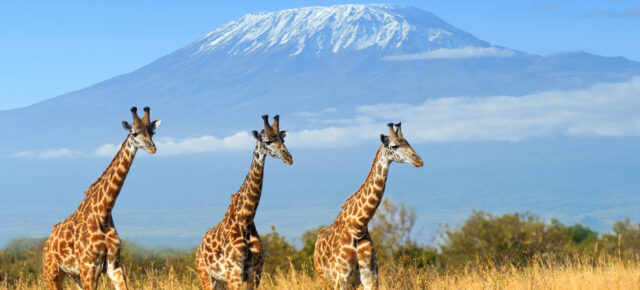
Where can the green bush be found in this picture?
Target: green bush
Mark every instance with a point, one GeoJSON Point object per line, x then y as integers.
{"type": "Point", "coordinates": [508, 239]}
{"type": "Point", "coordinates": [511, 239]}
{"type": "Point", "coordinates": [391, 229]}
{"type": "Point", "coordinates": [279, 254]}
{"type": "Point", "coordinates": [624, 240]}
{"type": "Point", "coordinates": [416, 255]}
{"type": "Point", "coordinates": [22, 257]}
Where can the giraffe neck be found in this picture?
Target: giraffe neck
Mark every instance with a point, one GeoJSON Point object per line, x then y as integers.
{"type": "Point", "coordinates": [244, 203]}
{"type": "Point", "coordinates": [102, 194]}
{"type": "Point", "coordinates": [360, 207]}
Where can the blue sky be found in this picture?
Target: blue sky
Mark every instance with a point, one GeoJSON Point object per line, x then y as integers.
{"type": "Point", "coordinates": [50, 48]}
{"type": "Point", "coordinates": [569, 154]}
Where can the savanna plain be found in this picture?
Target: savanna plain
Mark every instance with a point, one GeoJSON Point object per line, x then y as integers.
{"type": "Point", "coordinates": [511, 251]}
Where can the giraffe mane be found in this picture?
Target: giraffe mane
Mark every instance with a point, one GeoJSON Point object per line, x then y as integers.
{"type": "Point", "coordinates": [86, 192]}
{"type": "Point", "coordinates": [375, 160]}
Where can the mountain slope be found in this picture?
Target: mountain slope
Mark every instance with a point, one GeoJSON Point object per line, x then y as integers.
{"type": "Point", "coordinates": [300, 63]}
{"type": "Point", "coordinates": [387, 29]}
{"type": "Point", "coordinates": [305, 59]}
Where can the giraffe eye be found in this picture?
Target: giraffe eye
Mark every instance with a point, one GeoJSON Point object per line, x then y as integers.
{"type": "Point", "coordinates": [268, 142]}
{"type": "Point", "coordinates": [134, 134]}
{"type": "Point", "coordinates": [394, 147]}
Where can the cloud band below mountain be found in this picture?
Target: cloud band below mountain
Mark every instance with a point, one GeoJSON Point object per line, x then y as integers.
{"type": "Point", "coordinates": [603, 110]}
{"type": "Point", "coordinates": [454, 53]}
{"type": "Point", "coordinates": [49, 153]}
{"type": "Point", "coordinates": [206, 143]}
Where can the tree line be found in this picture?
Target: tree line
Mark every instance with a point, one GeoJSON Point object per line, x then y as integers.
{"type": "Point", "coordinates": [511, 239]}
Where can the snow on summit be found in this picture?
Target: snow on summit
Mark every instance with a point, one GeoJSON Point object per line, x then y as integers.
{"type": "Point", "coordinates": [389, 29]}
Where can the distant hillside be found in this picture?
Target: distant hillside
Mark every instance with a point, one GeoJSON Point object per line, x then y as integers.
{"type": "Point", "coordinates": [305, 59]}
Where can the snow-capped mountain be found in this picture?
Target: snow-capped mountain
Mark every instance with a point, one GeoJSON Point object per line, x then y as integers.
{"type": "Point", "coordinates": [389, 29]}
{"type": "Point", "coordinates": [316, 67]}
{"type": "Point", "coordinates": [307, 59]}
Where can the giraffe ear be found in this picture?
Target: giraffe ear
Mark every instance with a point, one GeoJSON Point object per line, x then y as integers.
{"type": "Point", "coordinates": [256, 135]}
{"type": "Point", "coordinates": [384, 139]}
{"type": "Point", "coordinates": [155, 124]}
{"type": "Point", "coordinates": [126, 126]}
{"type": "Point", "coordinates": [283, 133]}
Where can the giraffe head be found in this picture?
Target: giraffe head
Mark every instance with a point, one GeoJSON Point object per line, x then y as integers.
{"type": "Point", "coordinates": [397, 148]}
{"type": "Point", "coordinates": [142, 130]}
{"type": "Point", "coordinates": [271, 140]}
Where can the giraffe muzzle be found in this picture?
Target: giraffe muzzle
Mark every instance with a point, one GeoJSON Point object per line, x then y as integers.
{"type": "Point", "coordinates": [418, 162]}
{"type": "Point", "coordinates": [287, 159]}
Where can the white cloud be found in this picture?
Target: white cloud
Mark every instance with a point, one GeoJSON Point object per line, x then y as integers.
{"type": "Point", "coordinates": [106, 150]}
{"type": "Point", "coordinates": [172, 146]}
{"type": "Point", "coordinates": [307, 114]}
{"type": "Point", "coordinates": [57, 153]}
{"type": "Point", "coordinates": [25, 154]}
{"type": "Point", "coordinates": [607, 109]}
{"type": "Point", "coordinates": [601, 110]}
{"type": "Point", "coordinates": [48, 153]}
{"type": "Point", "coordinates": [166, 147]}
{"type": "Point", "coordinates": [330, 137]}
{"type": "Point", "coordinates": [455, 53]}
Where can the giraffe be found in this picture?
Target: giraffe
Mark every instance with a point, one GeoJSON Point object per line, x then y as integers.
{"type": "Point", "coordinates": [345, 249]}
{"type": "Point", "coordinates": [86, 244]}
{"type": "Point", "coordinates": [231, 252]}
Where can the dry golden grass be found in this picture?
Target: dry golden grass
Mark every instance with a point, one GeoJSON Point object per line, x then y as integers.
{"type": "Point", "coordinates": [584, 273]}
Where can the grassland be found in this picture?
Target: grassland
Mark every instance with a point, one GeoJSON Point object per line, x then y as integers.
{"type": "Point", "coordinates": [510, 251]}
{"type": "Point", "coordinates": [581, 273]}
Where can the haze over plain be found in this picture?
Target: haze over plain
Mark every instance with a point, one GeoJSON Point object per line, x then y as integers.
{"type": "Point", "coordinates": [499, 129]}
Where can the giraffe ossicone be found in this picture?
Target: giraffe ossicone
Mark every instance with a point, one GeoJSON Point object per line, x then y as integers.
{"type": "Point", "coordinates": [344, 250]}
{"type": "Point", "coordinates": [86, 244]}
{"type": "Point", "coordinates": [230, 253]}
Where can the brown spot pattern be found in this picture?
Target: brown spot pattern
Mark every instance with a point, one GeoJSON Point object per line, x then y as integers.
{"type": "Point", "coordinates": [338, 247]}
{"type": "Point", "coordinates": [86, 240]}
{"type": "Point", "coordinates": [231, 253]}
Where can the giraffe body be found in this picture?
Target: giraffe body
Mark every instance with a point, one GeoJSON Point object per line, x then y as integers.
{"type": "Point", "coordinates": [344, 251]}
{"type": "Point", "coordinates": [230, 253]}
{"type": "Point", "coordinates": [86, 243]}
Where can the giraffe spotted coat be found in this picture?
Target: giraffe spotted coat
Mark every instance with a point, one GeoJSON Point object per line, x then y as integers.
{"type": "Point", "coordinates": [230, 253]}
{"type": "Point", "coordinates": [86, 244]}
{"type": "Point", "coordinates": [344, 250]}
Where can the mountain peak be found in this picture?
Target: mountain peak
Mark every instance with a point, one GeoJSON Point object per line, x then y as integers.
{"type": "Point", "coordinates": [319, 30]}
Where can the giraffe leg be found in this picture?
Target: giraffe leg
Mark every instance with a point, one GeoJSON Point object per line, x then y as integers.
{"type": "Point", "coordinates": [255, 275]}
{"type": "Point", "coordinates": [116, 275]}
{"type": "Point", "coordinates": [55, 282]}
{"type": "Point", "coordinates": [234, 276]}
{"type": "Point", "coordinates": [53, 277]}
{"type": "Point", "coordinates": [340, 275]}
{"type": "Point", "coordinates": [340, 282]}
{"type": "Point", "coordinates": [347, 266]}
{"type": "Point", "coordinates": [256, 259]}
{"type": "Point", "coordinates": [234, 269]}
{"type": "Point", "coordinates": [218, 285]}
{"type": "Point", "coordinates": [205, 279]}
{"type": "Point", "coordinates": [319, 252]}
{"type": "Point", "coordinates": [114, 268]}
{"type": "Point", "coordinates": [367, 263]}
{"type": "Point", "coordinates": [354, 279]}
{"type": "Point", "coordinates": [88, 278]}
{"type": "Point", "coordinates": [316, 265]}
